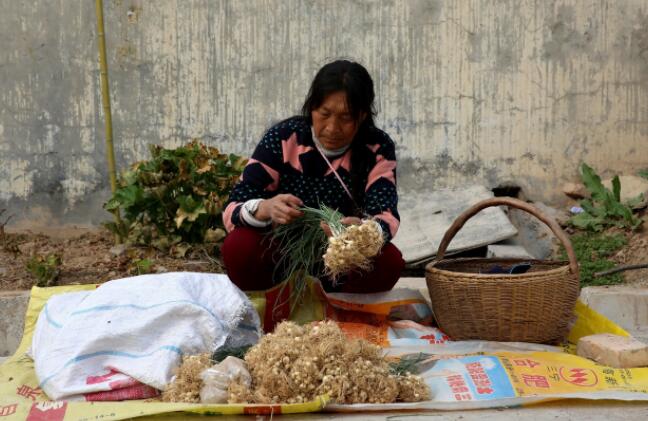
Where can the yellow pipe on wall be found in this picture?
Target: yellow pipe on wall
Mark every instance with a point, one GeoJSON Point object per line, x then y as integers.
{"type": "Point", "coordinates": [105, 97]}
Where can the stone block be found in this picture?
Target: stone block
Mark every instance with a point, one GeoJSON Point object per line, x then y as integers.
{"type": "Point", "coordinates": [625, 305]}
{"type": "Point", "coordinates": [533, 235]}
{"type": "Point", "coordinates": [614, 350]}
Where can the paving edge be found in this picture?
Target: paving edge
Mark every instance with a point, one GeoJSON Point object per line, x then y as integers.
{"type": "Point", "coordinates": [13, 305]}
{"type": "Point", "coordinates": [625, 305]}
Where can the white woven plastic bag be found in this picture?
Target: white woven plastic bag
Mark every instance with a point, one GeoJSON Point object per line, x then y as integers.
{"type": "Point", "coordinates": [139, 327]}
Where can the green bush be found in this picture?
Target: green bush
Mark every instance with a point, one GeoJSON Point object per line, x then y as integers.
{"type": "Point", "coordinates": [176, 198]}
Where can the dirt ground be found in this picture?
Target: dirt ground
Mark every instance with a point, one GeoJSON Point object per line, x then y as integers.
{"type": "Point", "coordinates": [90, 256]}
{"type": "Point", "coordinates": [87, 256]}
{"type": "Point", "coordinates": [636, 252]}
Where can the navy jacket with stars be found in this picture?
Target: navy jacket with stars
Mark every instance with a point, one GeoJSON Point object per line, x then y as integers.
{"type": "Point", "coordinates": [287, 161]}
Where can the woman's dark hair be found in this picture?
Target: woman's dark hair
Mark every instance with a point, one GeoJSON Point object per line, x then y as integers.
{"type": "Point", "coordinates": [348, 77]}
{"type": "Point", "coordinates": [354, 80]}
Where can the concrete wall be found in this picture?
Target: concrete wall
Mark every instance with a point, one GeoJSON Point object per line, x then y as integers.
{"type": "Point", "coordinates": [471, 91]}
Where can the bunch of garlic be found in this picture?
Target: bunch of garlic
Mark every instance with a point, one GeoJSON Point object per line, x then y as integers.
{"type": "Point", "coordinates": [353, 248]}
{"type": "Point", "coordinates": [297, 364]}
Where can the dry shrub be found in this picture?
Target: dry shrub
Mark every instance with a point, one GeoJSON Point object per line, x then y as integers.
{"type": "Point", "coordinates": [296, 364]}
{"type": "Point", "coordinates": [187, 383]}
{"type": "Point", "coordinates": [353, 248]}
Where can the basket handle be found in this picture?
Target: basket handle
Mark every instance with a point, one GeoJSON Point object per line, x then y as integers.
{"type": "Point", "coordinates": [515, 203]}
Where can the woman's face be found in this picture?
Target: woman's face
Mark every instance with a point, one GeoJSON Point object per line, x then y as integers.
{"type": "Point", "coordinates": [334, 126]}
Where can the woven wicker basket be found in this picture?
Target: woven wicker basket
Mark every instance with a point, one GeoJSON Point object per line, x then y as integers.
{"type": "Point", "coordinates": [535, 306]}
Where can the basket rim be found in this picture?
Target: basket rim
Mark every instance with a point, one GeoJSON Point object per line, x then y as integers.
{"type": "Point", "coordinates": [461, 220]}
{"type": "Point", "coordinates": [431, 268]}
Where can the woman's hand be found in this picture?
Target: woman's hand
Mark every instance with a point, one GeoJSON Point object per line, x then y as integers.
{"type": "Point", "coordinates": [281, 209]}
{"type": "Point", "coordinates": [347, 220]}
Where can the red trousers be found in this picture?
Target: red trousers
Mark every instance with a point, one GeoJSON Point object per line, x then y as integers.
{"type": "Point", "coordinates": [250, 263]}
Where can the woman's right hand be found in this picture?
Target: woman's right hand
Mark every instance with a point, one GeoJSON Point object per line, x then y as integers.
{"type": "Point", "coordinates": [281, 209]}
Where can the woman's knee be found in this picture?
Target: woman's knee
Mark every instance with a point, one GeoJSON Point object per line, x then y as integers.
{"type": "Point", "coordinates": [245, 257]}
{"type": "Point", "coordinates": [391, 259]}
{"type": "Point", "coordinates": [243, 242]}
{"type": "Point", "coordinates": [386, 271]}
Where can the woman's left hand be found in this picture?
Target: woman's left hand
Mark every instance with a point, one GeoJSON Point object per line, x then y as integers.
{"type": "Point", "coordinates": [347, 220]}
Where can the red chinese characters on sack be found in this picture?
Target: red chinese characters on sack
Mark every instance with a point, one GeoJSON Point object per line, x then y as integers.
{"type": "Point", "coordinates": [459, 387]}
{"type": "Point", "coordinates": [7, 410]}
{"type": "Point", "coordinates": [526, 363]}
{"type": "Point", "coordinates": [535, 381]}
{"type": "Point", "coordinates": [47, 411]}
{"type": "Point", "coordinates": [28, 392]}
{"type": "Point", "coordinates": [433, 339]}
{"type": "Point", "coordinates": [480, 379]}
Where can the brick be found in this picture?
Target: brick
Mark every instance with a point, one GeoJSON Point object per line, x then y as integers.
{"type": "Point", "coordinates": [614, 350]}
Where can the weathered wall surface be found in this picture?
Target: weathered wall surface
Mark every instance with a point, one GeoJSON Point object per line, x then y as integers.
{"type": "Point", "coordinates": [471, 91]}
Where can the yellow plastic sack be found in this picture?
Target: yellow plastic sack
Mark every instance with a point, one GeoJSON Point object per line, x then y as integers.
{"type": "Point", "coordinates": [478, 380]}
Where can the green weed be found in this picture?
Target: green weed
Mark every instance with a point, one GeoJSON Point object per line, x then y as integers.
{"type": "Point", "coordinates": [644, 173]}
{"type": "Point", "coordinates": [604, 209]}
{"type": "Point", "coordinates": [592, 251]}
{"type": "Point", "coordinates": [140, 267]}
{"type": "Point", "coordinates": [46, 269]}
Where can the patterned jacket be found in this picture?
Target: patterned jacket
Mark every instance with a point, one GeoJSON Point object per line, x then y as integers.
{"type": "Point", "coordinates": [287, 161]}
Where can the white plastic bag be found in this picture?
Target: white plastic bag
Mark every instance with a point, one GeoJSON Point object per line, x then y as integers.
{"type": "Point", "coordinates": [216, 379]}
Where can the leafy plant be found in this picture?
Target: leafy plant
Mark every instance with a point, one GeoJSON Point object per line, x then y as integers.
{"type": "Point", "coordinates": [140, 267]}
{"type": "Point", "coordinates": [644, 173]}
{"type": "Point", "coordinates": [46, 269]}
{"type": "Point", "coordinates": [592, 252]}
{"type": "Point", "coordinates": [176, 198]}
{"type": "Point", "coordinates": [604, 209]}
